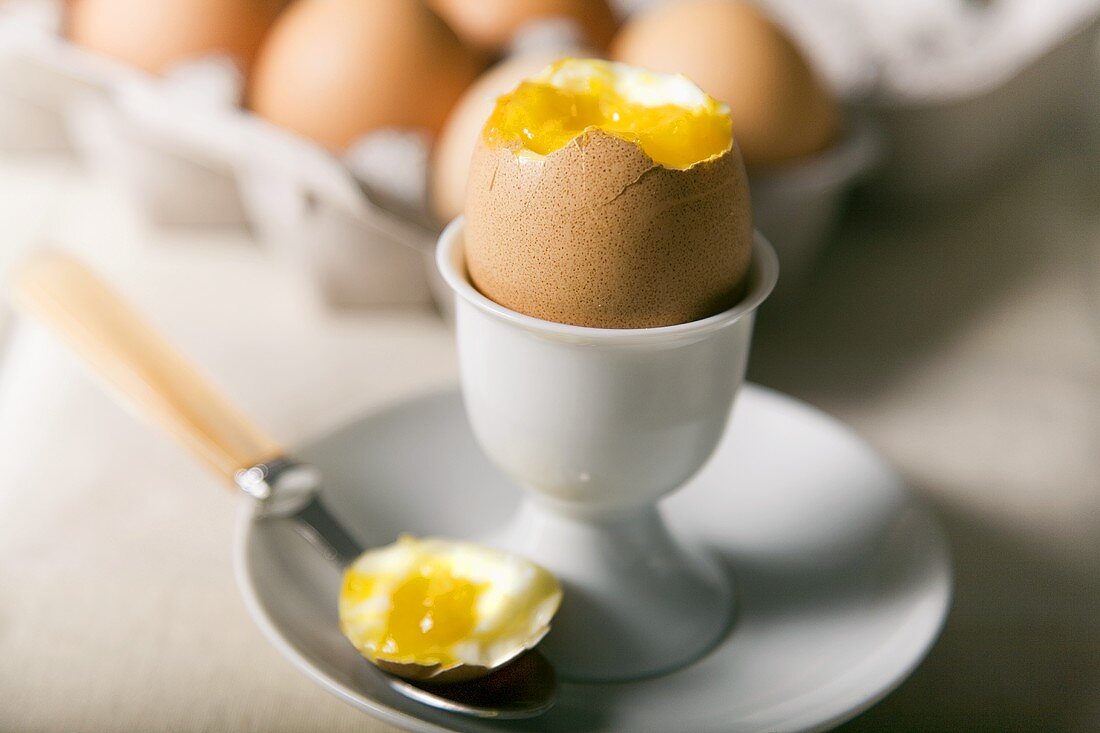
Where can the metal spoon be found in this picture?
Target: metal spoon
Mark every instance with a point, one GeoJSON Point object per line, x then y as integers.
{"type": "Point", "coordinates": [157, 381]}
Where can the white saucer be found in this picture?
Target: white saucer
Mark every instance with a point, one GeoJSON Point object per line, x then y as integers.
{"type": "Point", "coordinates": [844, 580]}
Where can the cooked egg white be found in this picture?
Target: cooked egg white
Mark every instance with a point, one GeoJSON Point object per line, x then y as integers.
{"type": "Point", "coordinates": [424, 607]}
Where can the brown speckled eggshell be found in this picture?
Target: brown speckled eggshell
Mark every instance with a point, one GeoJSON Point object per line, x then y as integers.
{"type": "Point", "coordinates": [597, 234]}
{"type": "Point", "coordinates": [450, 162]}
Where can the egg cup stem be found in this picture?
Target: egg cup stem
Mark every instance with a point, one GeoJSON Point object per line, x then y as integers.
{"type": "Point", "coordinates": [637, 602]}
{"type": "Point", "coordinates": [597, 425]}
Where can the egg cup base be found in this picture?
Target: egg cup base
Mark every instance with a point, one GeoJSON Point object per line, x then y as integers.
{"type": "Point", "coordinates": [637, 602]}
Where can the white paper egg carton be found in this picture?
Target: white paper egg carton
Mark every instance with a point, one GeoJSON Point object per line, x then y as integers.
{"type": "Point", "coordinates": [961, 88]}
{"type": "Point", "coordinates": [302, 202]}
{"type": "Point", "coordinates": [190, 156]}
{"type": "Point", "coordinates": [797, 208]}
{"type": "Point", "coordinates": [38, 77]}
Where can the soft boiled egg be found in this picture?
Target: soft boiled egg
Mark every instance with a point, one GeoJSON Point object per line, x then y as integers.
{"type": "Point", "coordinates": [154, 36]}
{"type": "Point", "coordinates": [444, 610]}
{"type": "Point", "coordinates": [335, 70]}
{"type": "Point", "coordinates": [781, 110]}
{"type": "Point", "coordinates": [608, 196]}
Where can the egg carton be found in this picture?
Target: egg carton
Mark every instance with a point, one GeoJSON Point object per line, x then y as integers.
{"type": "Point", "coordinates": [41, 74]}
{"type": "Point", "coordinates": [187, 155]}
{"type": "Point", "coordinates": [962, 89]}
{"type": "Point", "coordinates": [1012, 67]}
{"type": "Point", "coordinates": [797, 207]}
{"type": "Point", "coordinates": [57, 97]}
{"type": "Point", "coordinates": [363, 245]}
{"type": "Point", "coordinates": [54, 96]}
{"type": "Point", "coordinates": [28, 121]}
{"type": "Point", "coordinates": [359, 222]}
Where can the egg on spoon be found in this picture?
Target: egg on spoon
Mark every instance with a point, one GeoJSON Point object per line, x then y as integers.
{"type": "Point", "coordinates": [443, 610]}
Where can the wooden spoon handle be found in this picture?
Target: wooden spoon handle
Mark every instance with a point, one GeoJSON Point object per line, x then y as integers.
{"type": "Point", "coordinates": [139, 363]}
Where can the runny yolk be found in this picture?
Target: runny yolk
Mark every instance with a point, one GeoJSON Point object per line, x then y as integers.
{"type": "Point", "coordinates": [431, 610]}
{"type": "Point", "coordinates": [543, 118]}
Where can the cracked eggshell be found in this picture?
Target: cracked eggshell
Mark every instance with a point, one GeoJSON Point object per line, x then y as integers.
{"type": "Point", "coordinates": [597, 234]}
{"type": "Point", "coordinates": [450, 159]}
{"type": "Point", "coordinates": [436, 673]}
{"type": "Point", "coordinates": [440, 675]}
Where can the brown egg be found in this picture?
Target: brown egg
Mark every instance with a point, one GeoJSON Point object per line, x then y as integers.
{"type": "Point", "coordinates": [492, 24]}
{"type": "Point", "coordinates": [781, 111]}
{"type": "Point", "coordinates": [156, 35]}
{"type": "Point", "coordinates": [334, 70]}
{"type": "Point", "coordinates": [597, 234]}
{"type": "Point", "coordinates": [450, 164]}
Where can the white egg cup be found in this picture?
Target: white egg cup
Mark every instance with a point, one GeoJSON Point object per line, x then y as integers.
{"type": "Point", "coordinates": [597, 425]}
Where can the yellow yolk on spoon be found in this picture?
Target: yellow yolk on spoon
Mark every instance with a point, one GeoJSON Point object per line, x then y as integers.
{"type": "Point", "coordinates": [431, 610]}
{"type": "Point", "coordinates": [543, 117]}
{"type": "Point", "coordinates": [443, 609]}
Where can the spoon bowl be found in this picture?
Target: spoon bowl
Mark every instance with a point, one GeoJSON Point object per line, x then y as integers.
{"type": "Point", "coordinates": [523, 688]}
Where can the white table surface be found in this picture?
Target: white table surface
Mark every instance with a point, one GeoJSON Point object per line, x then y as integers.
{"type": "Point", "coordinates": [964, 344]}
